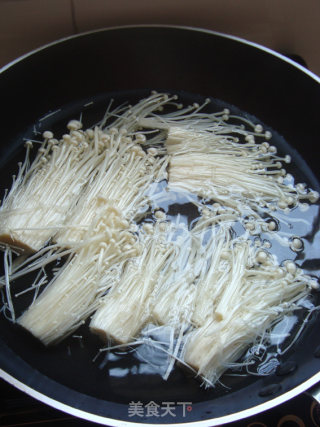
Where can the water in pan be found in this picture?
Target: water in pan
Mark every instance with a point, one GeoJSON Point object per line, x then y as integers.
{"type": "Point", "coordinates": [122, 376]}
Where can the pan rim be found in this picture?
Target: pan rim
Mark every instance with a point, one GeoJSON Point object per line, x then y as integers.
{"type": "Point", "coordinates": [182, 27]}
{"type": "Point", "coordinates": [246, 413]}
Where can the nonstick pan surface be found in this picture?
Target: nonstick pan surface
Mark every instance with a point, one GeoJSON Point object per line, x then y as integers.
{"type": "Point", "coordinates": [81, 74]}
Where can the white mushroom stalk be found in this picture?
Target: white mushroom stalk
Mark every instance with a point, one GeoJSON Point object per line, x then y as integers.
{"type": "Point", "coordinates": [256, 293]}
{"type": "Point", "coordinates": [43, 193]}
{"type": "Point", "coordinates": [214, 151]}
{"type": "Point", "coordinates": [234, 181]}
{"type": "Point", "coordinates": [187, 282]}
{"type": "Point", "coordinates": [181, 140]}
{"type": "Point", "coordinates": [121, 180]}
{"type": "Point", "coordinates": [74, 292]}
{"type": "Point", "coordinates": [214, 276]}
{"type": "Point", "coordinates": [216, 126]}
{"type": "Point", "coordinates": [126, 308]}
{"type": "Point", "coordinates": [172, 300]}
{"type": "Point", "coordinates": [131, 118]}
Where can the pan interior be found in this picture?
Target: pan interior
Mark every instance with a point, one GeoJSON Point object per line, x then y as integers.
{"type": "Point", "coordinates": [121, 377]}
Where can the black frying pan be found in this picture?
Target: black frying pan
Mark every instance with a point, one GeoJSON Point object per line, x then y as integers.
{"type": "Point", "coordinates": [125, 63]}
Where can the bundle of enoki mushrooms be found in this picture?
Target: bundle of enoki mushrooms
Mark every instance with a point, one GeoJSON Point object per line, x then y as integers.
{"type": "Point", "coordinates": [96, 201]}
